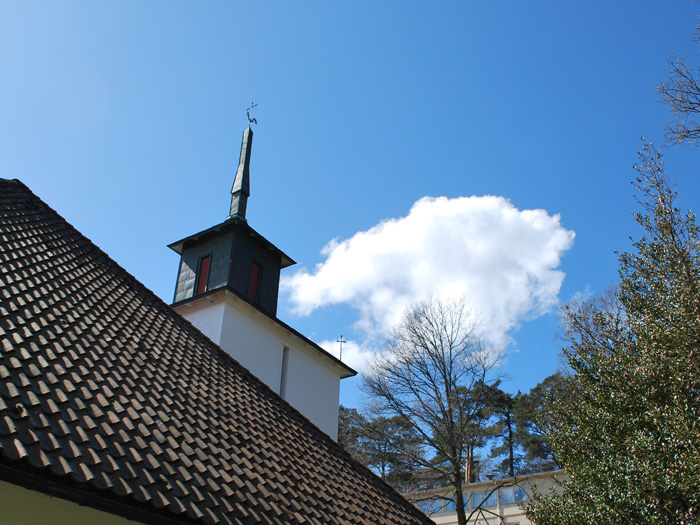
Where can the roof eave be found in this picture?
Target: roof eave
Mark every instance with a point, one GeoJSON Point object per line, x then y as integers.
{"type": "Point", "coordinates": [232, 223]}
{"type": "Point", "coordinates": [349, 372]}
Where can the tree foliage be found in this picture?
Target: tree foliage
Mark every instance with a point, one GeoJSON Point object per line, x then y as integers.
{"type": "Point", "coordinates": [532, 423]}
{"type": "Point", "coordinates": [518, 427]}
{"type": "Point", "coordinates": [433, 374]}
{"type": "Point", "coordinates": [391, 447]}
{"type": "Point", "coordinates": [388, 446]}
{"type": "Point", "coordinates": [350, 426]}
{"type": "Point", "coordinates": [501, 408]}
{"type": "Point", "coordinates": [630, 435]}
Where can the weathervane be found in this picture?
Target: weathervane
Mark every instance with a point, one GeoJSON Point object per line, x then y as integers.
{"type": "Point", "coordinates": [251, 120]}
{"type": "Point", "coordinates": [341, 341]}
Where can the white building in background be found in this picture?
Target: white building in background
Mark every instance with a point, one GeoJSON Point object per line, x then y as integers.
{"type": "Point", "coordinates": [228, 286]}
{"type": "Point", "coordinates": [496, 502]}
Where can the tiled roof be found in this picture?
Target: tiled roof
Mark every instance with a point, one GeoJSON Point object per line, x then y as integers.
{"type": "Point", "coordinates": [109, 397]}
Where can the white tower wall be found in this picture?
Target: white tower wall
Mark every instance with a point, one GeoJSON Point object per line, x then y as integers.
{"type": "Point", "coordinates": [304, 377]}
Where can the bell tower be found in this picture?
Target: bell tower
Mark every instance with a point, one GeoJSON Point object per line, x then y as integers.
{"type": "Point", "coordinates": [232, 255]}
{"type": "Point", "coordinates": [228, 287]}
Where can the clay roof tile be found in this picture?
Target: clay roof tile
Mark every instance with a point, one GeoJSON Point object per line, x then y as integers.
{"type": "Point", "coordinates": [104, 388]}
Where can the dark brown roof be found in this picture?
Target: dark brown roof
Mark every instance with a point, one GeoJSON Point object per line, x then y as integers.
{"type": "Point", "coordinates": [109, 398]}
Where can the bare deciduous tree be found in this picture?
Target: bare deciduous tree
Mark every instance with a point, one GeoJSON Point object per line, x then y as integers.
{"type": "Point", "coordinates": [434, 372]}
{"type": "Point", "coordinates": [681, 93]}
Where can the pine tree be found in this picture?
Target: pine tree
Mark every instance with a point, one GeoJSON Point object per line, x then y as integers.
{"type": "Point", "coordinates": [530, 412]}
{"type": "Point", "coordinates": [501, 408]}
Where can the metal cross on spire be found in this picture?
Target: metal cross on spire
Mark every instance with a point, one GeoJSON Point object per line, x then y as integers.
{"type": "Point", "coordinates": [341, 341]}
{"type": "Point", "coordinates": [249, 111]}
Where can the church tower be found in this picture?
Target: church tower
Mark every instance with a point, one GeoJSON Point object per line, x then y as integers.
{"type": "Point", "coordinates": [232, 254]}
{"type": "Point", "coordinates": [228, 287]}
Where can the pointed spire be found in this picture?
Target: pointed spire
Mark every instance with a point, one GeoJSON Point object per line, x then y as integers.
{"type": "Point", "coordinates": [241, 184]}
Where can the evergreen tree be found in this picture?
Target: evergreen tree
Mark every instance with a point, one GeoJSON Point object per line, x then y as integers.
{"type": "Point", "coordinates": [501, 407]}
{"type": "Point", "coordinates": [518, 427]}
{"type": "Point", "coordinates": [387, 445]}
{"type": "Point", "coordinates": [630, 439]}
{"type": "Point", "coordinates": [530, 411]}
{"type": "Point", "coordinates": [350, 426]}
{"type": "Point", "coordinates": [391, 447]}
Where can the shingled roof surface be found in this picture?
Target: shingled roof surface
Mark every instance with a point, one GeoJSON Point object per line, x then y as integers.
{"type": "Point", "coordinates": [109, 398]}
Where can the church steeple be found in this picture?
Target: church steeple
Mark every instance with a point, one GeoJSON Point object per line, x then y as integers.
{"type": "Point", "coordinates": [241, 184]}
{"type": "Point", "coordinates": [228, 287]}
{"type": "Point", "coordinates": [232, 256]}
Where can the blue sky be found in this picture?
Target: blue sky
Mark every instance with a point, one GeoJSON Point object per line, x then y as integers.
{"type": "Point", "coordinates": [126, 117]}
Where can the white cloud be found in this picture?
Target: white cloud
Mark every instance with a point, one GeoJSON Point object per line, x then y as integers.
{"type": "Point", "coordinates": [502, 260]}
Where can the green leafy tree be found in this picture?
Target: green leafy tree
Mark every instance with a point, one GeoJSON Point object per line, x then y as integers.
{"type": "Point", "coordinates": [630, 439]}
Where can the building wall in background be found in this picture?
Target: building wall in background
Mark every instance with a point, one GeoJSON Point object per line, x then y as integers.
{"type": "Point", "coordinates": [502, 506]}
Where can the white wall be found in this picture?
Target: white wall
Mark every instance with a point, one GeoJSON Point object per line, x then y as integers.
{"type": "Point", "coordinates": [257, 342]}
{"type": "Point", "coordinates": [256, 348]}
{"type": "Point", "coordinates": [207, 315]}
{"type": "Point", "coordinates": [314, 390]}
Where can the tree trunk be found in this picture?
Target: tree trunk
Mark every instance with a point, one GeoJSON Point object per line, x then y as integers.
{"type": "Point", "coordinates": [470, 474]}
{"type": "Point", "coordinates": [459, 495]}
{"type": "Point", "coordinates": [511, 455]}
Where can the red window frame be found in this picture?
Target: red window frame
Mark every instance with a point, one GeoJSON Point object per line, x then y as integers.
{"type": "Point", "coordinates": [254, 281]}
{"type": "Point", "coordinates": [203, 274]}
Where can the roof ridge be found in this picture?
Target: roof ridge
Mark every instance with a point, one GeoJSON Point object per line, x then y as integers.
{"type": "Point", "coordinates": [15, 182]}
